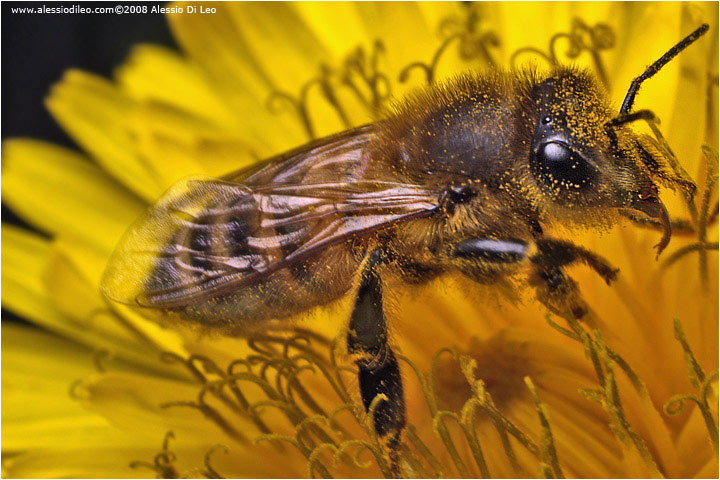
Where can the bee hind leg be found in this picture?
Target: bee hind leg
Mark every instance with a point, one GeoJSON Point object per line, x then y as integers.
{"type": "Point", "coordinates": [378, 368]}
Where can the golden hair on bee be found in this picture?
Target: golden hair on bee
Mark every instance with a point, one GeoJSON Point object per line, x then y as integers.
{"type": "Point", "coordinates": [482, 128]}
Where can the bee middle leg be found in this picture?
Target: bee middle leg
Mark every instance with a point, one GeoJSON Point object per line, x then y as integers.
{"type": "Point", "coordinates": [378, 368]}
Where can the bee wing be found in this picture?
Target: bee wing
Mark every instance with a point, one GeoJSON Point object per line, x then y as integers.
{"type": "Point", "coordinates": [207, 237]}
{"type": "Point", "coordinates": [336, 156]}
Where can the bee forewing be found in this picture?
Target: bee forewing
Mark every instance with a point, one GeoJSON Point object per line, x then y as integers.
{"type": "Point", "coordinates": [205, 238]}
{"type": "Point", "coordinates": [165, 231]}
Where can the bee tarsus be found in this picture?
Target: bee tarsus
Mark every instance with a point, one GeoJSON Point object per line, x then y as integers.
{"type": "Point", "coordinates": [553, 287]}
{"type": "Point", "coordinates": [554, 254]}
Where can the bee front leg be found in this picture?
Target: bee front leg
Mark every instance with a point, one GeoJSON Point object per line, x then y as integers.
{"type": "Point", "coordinates": [558, 292]}
{"type": "Point", "coordinates": [554, 289]}
{"type": "Point", "coordinates": [378, 368]}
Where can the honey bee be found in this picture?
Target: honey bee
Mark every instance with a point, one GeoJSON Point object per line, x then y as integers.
{"type": "Point", "coordinates": [461, 177]}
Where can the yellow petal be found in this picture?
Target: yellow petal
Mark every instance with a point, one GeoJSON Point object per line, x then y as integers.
{"type": "Point", "coordinates": [404, 30]}
{"type": "Point", "coordinates": [101, 462]}
{"type": "Point", "coordinates": [709, 470]}
{"type": "Point", "coordinates": [70, 304]}
{"type": "Point", "coordinates": [179, 145]}
{"type": "Point", "coordinates": [71, 279]}
{"type": "Point", "coordinates": [134, 402]}
{"type": "Point", "coordinates": [26, 259]}
{"type": "Point", "coordinates": [155, 74]}
{"type": "Point", "coordinates": [38, 370]}
{"type": "Point", "coordinates": [23, 261]}
{"type": "Point", "coordinates": [335, 24]}
{"type": "Point", "coordinates": [282, 45]}
{"type": "Point", "coordinates": [112, 459]}
{"type": "Point", "coordinates": [93, 111]}
{"type": "Point", "coordinates": [61, 192]}
{"type": "Point", "coordinates": [214, 43]}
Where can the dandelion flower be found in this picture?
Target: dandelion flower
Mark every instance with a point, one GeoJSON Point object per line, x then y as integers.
{"type": "Point", "coordinates": [493, 387]}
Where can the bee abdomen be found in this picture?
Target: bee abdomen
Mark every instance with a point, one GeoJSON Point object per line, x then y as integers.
{"type": "Point", "coordinates": [208, 249]}
{"type": "Point", "coordinates": [285, 293]}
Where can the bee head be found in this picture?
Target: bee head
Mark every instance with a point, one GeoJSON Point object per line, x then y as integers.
{"type": "Point", "coordinates": [576, 160]}
{"type": "Point", "coordinates": [582, 156]}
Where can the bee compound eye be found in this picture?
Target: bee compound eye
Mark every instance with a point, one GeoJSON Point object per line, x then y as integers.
{"type": "Point", "coordinates": [561, 165]}
{"type": "Point", "coordinates": [555, 152]}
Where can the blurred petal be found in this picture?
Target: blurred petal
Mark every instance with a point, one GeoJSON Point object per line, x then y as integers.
{"type": "Point", "coordinates": [158, 75]}
{"type": "Point", "coordinates": [93, 111]}
{"type": "Point", "coordinates": [31, 376]}
{"type": "Point", "coordinates": [62, 192]}
{"type": "Point", "coordinates": [214, 43]}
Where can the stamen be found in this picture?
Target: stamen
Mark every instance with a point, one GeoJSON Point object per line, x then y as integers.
{"type": "Point", "coordinates": [681, 252]}
{"type": "Point", "coordinates": [710, 106]}
{"type": "Point", "coordinates": [547, 444]}
{"type": "Point", "coordinates": [100, 357]}
{"type": "Point", "coordinates": [78, 390]}
{"type": "Point", "coordinates": [472, 44]}
{"type": "Point", "coordinates": [359, 73]}
{"type": "Point", "coordinates": [427, 455]}
{"type": "Point", "coordinates": [311, 423]}
{"type": "Point", "coordinates": [469, 424]}
{"type": "Point", "coordinates": [696, 372]}
{"type": "Point", "coordinates": [581, 38]}
{"type": "Point", "coordinates": [210, 471]}
{"type": "Point", "coordinates": [277, 357]}
{"type": "Point", "coordinates": [281, 101]}
{"type": "Point", "coordinates": [314, 462]}
{"type": "Point", "coordinates": [702, 217]}
{"type": "Point", "coordinates": [711, 181]}
{"type": "Point", "coordinates": [209, 412]}
{"type": "Point", "coordinates": [441, 430]}
{"type": "Point", "coordinates": [608, 395]}
{"type": "Point", "coordinates": [278, 361]}
{"type": "Point", "coordinates": [582, 337]}
{"type": "Point", "coordinates": [362, 74]}
{"type": "Point", "coordinates": [163, 461]}
{"type": "Point", "coordinates": [375, 450]}
{"type": "Point", "coordinates": [429, 69]}
{"type": "Point", "coordinates": [501, 423]}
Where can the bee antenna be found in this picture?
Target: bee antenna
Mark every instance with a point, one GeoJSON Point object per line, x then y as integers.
{"type": "Point", "coordinates": [655, 67]}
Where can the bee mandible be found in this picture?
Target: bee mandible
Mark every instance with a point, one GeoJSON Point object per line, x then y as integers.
{"type": "Point", "coordinates": [461, 177]}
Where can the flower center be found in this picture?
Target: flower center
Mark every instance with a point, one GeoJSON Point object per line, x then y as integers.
{"type": "Point", "coordinates": [502, 363]}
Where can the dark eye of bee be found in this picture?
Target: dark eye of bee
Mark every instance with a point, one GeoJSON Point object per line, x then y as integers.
{"type": "Point", "coordinates": [559, 164]}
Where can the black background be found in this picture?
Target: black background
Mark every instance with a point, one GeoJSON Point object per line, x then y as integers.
{"type": "Point", "coordinates": [38, 48]}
